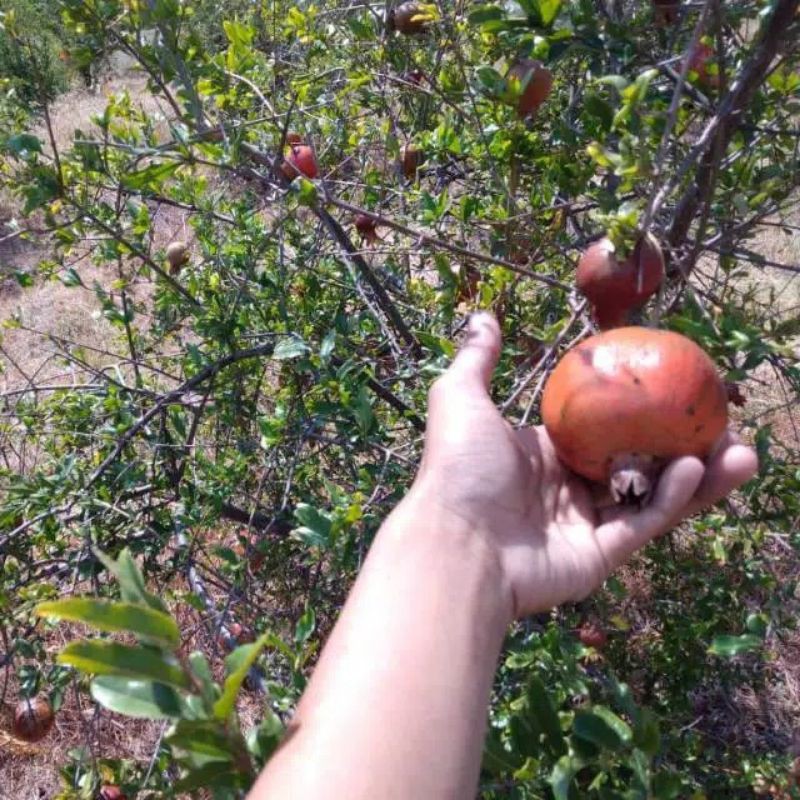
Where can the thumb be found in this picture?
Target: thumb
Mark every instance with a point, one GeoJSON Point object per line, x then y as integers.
{"type": "Point", "coordinates": [478, 356]}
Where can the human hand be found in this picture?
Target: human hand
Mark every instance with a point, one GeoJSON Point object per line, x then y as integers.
{"type": "Point", "coordinates": [553, 540]}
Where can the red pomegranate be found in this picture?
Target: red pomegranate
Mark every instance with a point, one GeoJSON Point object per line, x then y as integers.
{"type": "Point", "coordinates": [614, 287]}
{"type": "Point", "coordinates": [700, 62]}
{"type": "Point", "coordinates": [592, 635]}
{"type": "Point", "coordinates": [414, 77]}
{"type": "Point", "coordinates": [667, 12]}
{"type": "Point", "coordinates": [536, 83]}
{"type": "Point", "coordinates": [409, 18]}
{"type": "Point", "coordinates": [366, 227]}
{"type": "Point", "coordinates": [300, 160]}
{"type": "Point", "coordinates": [33, 719]}
{"type": "Point", "coordinates": [622, 403]}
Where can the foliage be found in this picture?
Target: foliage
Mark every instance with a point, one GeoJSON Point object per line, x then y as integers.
{"type": "Point", "coordinates": [32, 50]}
{"type": "Point", "coordinates": [258, 412]}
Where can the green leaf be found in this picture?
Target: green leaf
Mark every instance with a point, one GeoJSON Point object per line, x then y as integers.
{"type": "Point", "coordinates": [305, 626]}
{"type": "Point", "coordinates": [198, 664]}
{"type": "Point", "coordinates": [497, 760]}
{"type": "Point", "coordinates": [730, 646]}
{"type": "Point", "coordinates": [646, 733]}
{"type": "Point", "coordinates": [561, 777]}
{"type": "Point", "coordinates": [315, 528]}
{"type": "Point", "coordinates": [151, 177]}
{"type": "Point", "coordinates": [129, 577]}
{"type": "Point", "coordinates": [24, 279]}
{"type": "Point", "coordinates": [105, 615]}
{"type": "Point", "coordinates": [542, 710]}
{"type": "Point", "coordinates": [204, 737]}
{"type": "Point", "coordinates": [135, 698]}
{"type": "Point", "coordinates": [111, 658]}
{"type": "Point", "coordinates": [290, 347]}
{"type": "Point", "coordinates": [263, 740]}
{"type": "Point", "coordinates": [602, 727]}
{"type": "Point", "coordinates": [23, 143]}
{"type": "Point", "coordinates": [238, 663]}
{"type": "Point", "coordinates": [548, 11]}
{"type": "Point", "coordinates": [213, 775]}
{"type": "Point", "coordinates": [481, 14]}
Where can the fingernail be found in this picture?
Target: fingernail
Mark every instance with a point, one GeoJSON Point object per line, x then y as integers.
{"type": "Point", "coordinates": [473, 324]}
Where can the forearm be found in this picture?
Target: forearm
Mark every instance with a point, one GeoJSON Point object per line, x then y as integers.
{"type": "Point", "coordinates": [397, 704]}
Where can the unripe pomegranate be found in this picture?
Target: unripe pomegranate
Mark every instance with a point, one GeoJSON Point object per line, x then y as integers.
{"type": "Point", "coordinates": [536, 82]}
{"type": "Point", "coordinates": [111, 792]}
{"type": "Point", "coordinates": [592, 635]}
{"type": "Point", "coordinates": [702, 58]}
{"type": "Point", "coordinates": [177, 256]}
{"type": "Point", "coordinates": [33, 719]}
{"type": "Point", "coordinates": [408, 18]}
{"type": "Point", "coordinates": [411, 159]}
{"type": "Point", "coordinates": [300, 160]}
{"type": "Point", "coordinates": [622, 403]}
{"type": "Point", "coordinates": [666, 12]}
{"type": "Point", "coordinates": [614, 287]}
{"type": "Point", "coordinates": [366, 226]}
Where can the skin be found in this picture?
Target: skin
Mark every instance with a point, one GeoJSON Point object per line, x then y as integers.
{"type": "Point", "coordinates": [494, 528]}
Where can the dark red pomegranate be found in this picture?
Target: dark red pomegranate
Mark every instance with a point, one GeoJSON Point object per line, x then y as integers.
{"type": "Point", "coordinates": [366, 227]}
{"type": "Point", "coordinates": [667, 12]}
{"type": "Point", "coordinates": [300, 160]}
{"type": "Point", "coordinates": [33, 719]}
{"type": "Point", "coordinates": [616, 287]}
{"type": "Point", "coordinates": [536, 82]}
{"type": "Point", "coordinates": [701, 61]}
{"type": "Point", "coordinates": [592, 635]}
{"type": "Point", "coordinates": [621, 404]}
{"type": "Point", "coordinates": [409, 18]}
{"type": "Point", "coordinates": [411, 159]}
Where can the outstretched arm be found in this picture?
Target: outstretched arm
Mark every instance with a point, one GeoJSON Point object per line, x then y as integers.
{"type": "Point", "coordinates": [493, 528]}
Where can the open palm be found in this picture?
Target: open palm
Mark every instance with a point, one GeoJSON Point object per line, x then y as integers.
{"type": "Point", "coordinates": [556, 539]}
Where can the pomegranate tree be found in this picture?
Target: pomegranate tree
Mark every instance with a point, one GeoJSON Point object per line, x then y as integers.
{"type": "Point", "coordinates": [621, 404]}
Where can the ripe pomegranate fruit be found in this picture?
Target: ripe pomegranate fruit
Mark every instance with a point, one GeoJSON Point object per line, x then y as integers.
{"type": "Point", "coordinates": [366, 227]}
{"type": "Point", "coordinates": [622, 403]}
{"type": "Point", "coordinates": [592, 635]}
{"type": "Point", "coordinates": [111, 792]}
{"type": "Point", "coordinates": [299, 160]}
{"type": "Point", "coordinates": [536, 82]}
{"type": "Point", "coordinates": [408, 18]}
{"type": "Point", "coordinates": [177, 256]}
{"type": "Point", "coordinates": [614, 287]}
{"type": "Point", "coordinates": [411, 159]}
{"type": "Point", "coordinates": [33, 719]}
{"type": "Point", "coordinates": [666, 12]}
{"type": "Point", "coordinates": [700, 62]}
